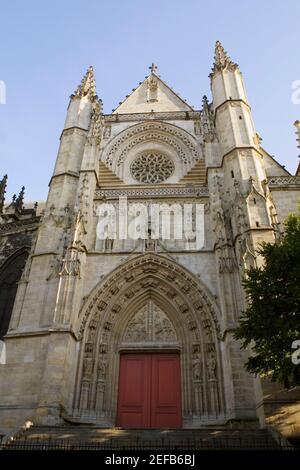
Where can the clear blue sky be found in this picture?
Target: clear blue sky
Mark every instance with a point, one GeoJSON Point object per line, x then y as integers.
{"type": "Point", "coordinates": [46, 47]}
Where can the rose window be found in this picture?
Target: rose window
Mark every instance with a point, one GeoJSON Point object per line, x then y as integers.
{"type": "Point", "coordinates": [152, 168]}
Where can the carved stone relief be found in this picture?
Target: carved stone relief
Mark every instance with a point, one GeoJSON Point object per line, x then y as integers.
{"type": "Point", "coordinates": [150, 324]}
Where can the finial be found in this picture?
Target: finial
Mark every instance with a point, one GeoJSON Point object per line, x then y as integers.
{"type": "Point", "coordinates": [19, 201]}
{"type": "Point", "coordinates": [297, 125]}
{"type": "Point", "coordinates": [222, 60]}
{"type": "Point", "coordinates": [205, 104]}
{"type": "Point", "coordinates": [87, 86]}
{"type": "Point", "coordinates": [153, 68]}
{"type": "Point", "coordinates": [3, 184]}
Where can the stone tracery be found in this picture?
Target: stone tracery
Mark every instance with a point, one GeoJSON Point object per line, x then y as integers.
{"type": "Point", "coordinates": [151, 167]}
{"type": "Point", "coordinates": [180, 142]}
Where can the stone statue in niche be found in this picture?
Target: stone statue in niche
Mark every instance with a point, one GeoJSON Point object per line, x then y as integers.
{"type": "Point", "coordinates": [197, 128]}
{"type": "Point", "coordinates": [87, 367]}
{"type": "Point", "coordinates": [102, 365]}
{"type": "Point", "coordinates": [152, 89]}
{"type": "Point", "coordinates": [108, 244]}
{"type": "Point", "coordinates": [107, 132]}
{"type": "Point", "coordinates": [212, 365]}
{"type": "Point", "coordinates": [91, 335]}
{"type": "Point", "coordinates": [150, 243]}
{"type": "Point", "coordinates": [197, 367]}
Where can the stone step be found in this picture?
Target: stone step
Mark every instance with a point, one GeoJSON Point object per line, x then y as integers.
{"type": "Point", "coordinates": [197, 174]}
{"type": "Point", "coordinates": [107, 177]}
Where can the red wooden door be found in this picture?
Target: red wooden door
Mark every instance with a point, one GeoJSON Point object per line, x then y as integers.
{"type": "Point", "coordinates": [149, 391]}
{"type": "Point", "coordinates": [165, 391]}
{"type": "Point", "coordinates": [134, 391]}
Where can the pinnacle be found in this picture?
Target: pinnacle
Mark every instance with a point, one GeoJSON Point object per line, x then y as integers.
{"type": "Point", "coordinates": [222, 60]}
{"type": "Point", "coordinates": [3, 184]}
{"type": "Point", "coordinates": [87, 86]}
{"type": "Point", "coordinates": [20, 199]}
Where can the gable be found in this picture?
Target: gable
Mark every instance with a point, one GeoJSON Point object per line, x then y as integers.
{"type": "Point", "coordinates": [272, 167]}
{"type": "Point", "coordinates": [152, 95]}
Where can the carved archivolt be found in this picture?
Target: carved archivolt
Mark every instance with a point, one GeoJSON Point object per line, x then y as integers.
{"type": "Point", "coordinates": [183, 144]}
{"type": "Point", "coordinates": [150, 300]}
{"type": "Point", "coordinates": [137, 268]}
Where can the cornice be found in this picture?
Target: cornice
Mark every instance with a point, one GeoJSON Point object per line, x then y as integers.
{"type": "Point", "coordinates": [159, 116]}
{"type": "Point", "coordinates": [137, 193]}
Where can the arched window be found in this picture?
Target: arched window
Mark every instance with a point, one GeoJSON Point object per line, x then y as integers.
{"type": "Point", "coordinates": [10, 274]}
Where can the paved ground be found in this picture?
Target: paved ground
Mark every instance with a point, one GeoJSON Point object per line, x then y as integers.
{"type": "Point", "coordinates": [92, 437]}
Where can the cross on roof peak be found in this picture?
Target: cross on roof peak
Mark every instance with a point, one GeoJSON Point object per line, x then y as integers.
{"type": "Point", "coordinates": [153, 67]}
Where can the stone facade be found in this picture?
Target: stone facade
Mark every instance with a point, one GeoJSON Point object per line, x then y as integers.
{"type": "Point", "coordinates": [81, 301]}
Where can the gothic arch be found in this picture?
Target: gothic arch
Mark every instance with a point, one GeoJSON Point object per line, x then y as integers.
{"type": "Point", "coordinates": [175, 140]}
{"type": "Point", "coordinates": [186, 307]}
{"type": "Point", "coordinates": [10, 274]}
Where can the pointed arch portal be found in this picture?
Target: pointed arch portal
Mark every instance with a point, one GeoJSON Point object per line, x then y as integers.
{"type": "Point", "coordinates": [155, 309]}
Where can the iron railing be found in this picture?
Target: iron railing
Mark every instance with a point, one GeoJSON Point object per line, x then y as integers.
{"type": "Point", "coordinates": [138, 444]}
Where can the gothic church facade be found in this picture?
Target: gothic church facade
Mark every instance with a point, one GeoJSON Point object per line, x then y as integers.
{"type": "Point", "coordinates": [139, 332]}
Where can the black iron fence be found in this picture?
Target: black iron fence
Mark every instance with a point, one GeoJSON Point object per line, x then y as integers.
{"type": "Point", "coordinates": [163, 444]}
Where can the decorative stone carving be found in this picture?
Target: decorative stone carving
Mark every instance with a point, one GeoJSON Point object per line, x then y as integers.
{"type": "Point", "coordinates": [162, 116]}
{"type": "Point", "coordinates": [102, 366]}
{"type": "Point", "coordinates": [149, 283]}
{"type": "Point", "coordinates": [87, 367]}
{"type": "Point", "coordinates": [95, 132]}
{"type": "Point", "coordinates": [183, 143]}
{"type": "Point", "coordinates": [222, 60]}
{"type": "Point", "coordinates": [152, 167]}
{"type": "Point", "coordinates": [107, 326]}
{"type": "Point", "coordinates": [197, 366]}
{"type": "Point", "coordinates": [163, 329]}
{"type": "Point", "coordinates": [152, 88]}
{"type": "Point", "coordinates": [108, 244]}
{"type": "Point", "coordinates": [103, 348]}
{"type": "Point", "coordinates": [88, 347]}
{"type": "Point", "coordinates": [87, 86]}
{"type": "Point", "coordinates": [109, 194]}
{"type": "Point", "coordinates": [137, 328]}
{"type": "Point", "coordinates": [184, 308]}
{"type": "Point", "coordinates": [102, 305]}
{"type": "Point", "coordinates": [150, 324]}
{"type": "Point", "coordinates": [116, 308]}
{"type": "Point", "coordinates": [106, 132]}
{"type": "Point", "coordinates": [157, 274]}
{"type": "Point", "coordinates": [207, 121]}
{"type": "Point", "coordinates": [148, 266]}
{"type": "Point", "coordinates": [211, 366]}
{"type": "Point", "coordinates": [283, 181]}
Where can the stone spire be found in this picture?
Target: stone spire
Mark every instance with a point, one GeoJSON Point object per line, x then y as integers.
{"type": "Point", "coordinates": [3, 184]}
{"type": "Point", "coordinates": [19, 202]}
{"type": "Point", "coordinates": [222, 60]}
{"type": "Point", "coordinates": [87, 86]}
{"type": "Point", "coordinates": [297, 125]}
